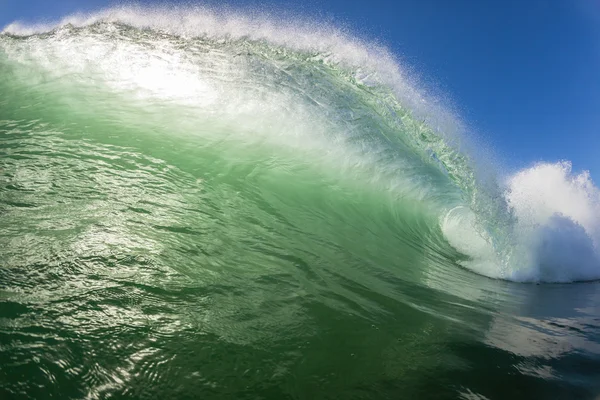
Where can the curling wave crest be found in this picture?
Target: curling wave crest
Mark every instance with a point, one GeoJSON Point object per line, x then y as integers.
{"type": "Point", "coordinates": [294, 95]}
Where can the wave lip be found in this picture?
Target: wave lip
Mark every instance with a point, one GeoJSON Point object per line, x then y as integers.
{"type": "Point", "coordinates": [373, 62]}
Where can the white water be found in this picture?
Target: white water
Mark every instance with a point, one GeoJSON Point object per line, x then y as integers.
{"type": "Point", "coordinates": [555, 234]}
{"type": "Point", "coordinates": [558, 213]}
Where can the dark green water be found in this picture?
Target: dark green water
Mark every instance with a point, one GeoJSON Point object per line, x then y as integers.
{"type": "Point", "coordinates": [233, 213]}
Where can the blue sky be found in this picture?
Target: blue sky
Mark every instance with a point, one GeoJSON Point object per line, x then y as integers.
{"type": "Point", "coordinates": [525, 75]}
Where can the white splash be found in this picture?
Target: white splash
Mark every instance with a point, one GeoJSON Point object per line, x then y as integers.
{"type": "Point", "coordinates": [558, 213]}
{"type": "Point", "coordinates": [554, 235]}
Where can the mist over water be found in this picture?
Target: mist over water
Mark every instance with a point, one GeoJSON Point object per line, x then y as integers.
{"type": "Point", "coordinates": [199, 201]}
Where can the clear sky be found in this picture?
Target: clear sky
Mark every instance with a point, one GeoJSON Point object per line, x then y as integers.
{"type": "Point", "coordinates": [525, 74]}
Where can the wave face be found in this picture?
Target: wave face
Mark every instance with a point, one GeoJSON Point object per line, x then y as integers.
{"type": "Point", "coordinates": [302, 98]}
{"type": "Point", "coordinates": [220, 182]}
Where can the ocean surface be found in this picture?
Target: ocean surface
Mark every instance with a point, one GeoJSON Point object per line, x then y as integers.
{"type": "Point", "coordinates": [210, 204]}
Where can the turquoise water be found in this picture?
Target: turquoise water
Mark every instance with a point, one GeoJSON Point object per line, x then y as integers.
{"type": "Point", "coordinates": [210, 205]}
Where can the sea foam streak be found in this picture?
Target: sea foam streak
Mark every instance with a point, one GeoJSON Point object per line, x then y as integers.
{"type": "Point", "coordinates": [541, 224]}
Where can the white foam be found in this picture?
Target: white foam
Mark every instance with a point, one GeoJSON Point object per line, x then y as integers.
{"type": "Point", "coordinates": [558, 212]}
{"type": "Point", "coordinates": [554, 235]}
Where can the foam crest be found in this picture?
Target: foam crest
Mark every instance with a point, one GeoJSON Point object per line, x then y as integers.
{"type": "Point", "coordinates": [539, 193]}
{"type": "Point", "coordinates": [553, 234]}
{"type": "Point", "coordinates": [558, 215]}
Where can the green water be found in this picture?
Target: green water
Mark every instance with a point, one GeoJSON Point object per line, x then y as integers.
{"type": "Point", "coordinates": [223, 217]}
